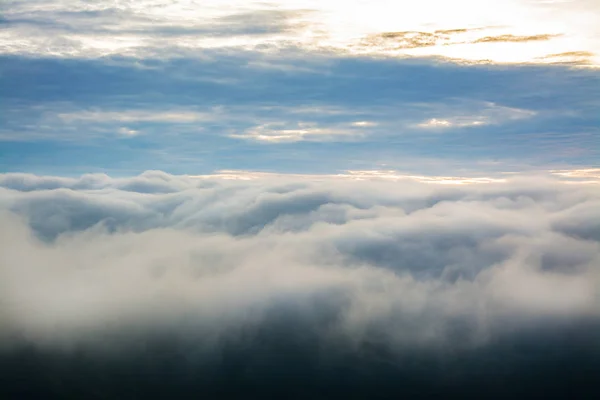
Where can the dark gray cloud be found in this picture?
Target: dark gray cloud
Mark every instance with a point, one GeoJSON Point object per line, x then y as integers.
{"type": "Point", "coordinates": [396, 285]}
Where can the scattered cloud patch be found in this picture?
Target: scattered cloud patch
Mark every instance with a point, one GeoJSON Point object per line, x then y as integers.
{"type": "Point", "coordinates": [404, 40]}
{"type": "Point", "coordinates": [304, 131]}
{"type": "Point", "coordinates": [580, 58]}
{"type": "Point", "coordinates": [444, 123]}
{"type": "Point", "coordinates": [135, 116]}
{"type": "Point", "coordinates": [364, 123]}
{"type": "Point", "coordinates": [486, 114]}
{"type": "Point", "coordinates": [586, 175]}
{"type": "Point", "coordinates": [515, 38]}
{"type": "Point", "coordinates": [128, 132]}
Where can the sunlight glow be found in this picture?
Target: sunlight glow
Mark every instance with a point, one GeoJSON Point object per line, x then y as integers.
{"type": "Point", "coordinates": [472, 31]}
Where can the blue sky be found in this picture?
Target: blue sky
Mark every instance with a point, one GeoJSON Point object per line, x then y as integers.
{"type": "Point", "coordinates": [123, 87]}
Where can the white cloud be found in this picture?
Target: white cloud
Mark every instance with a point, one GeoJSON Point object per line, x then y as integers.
{"type": "Point", "coordinates": [64, 121]}
{"type": "Point", "coordinates": [128, 132]}
{"type": "Point", "coordinates": [478, 115]}
{"type": "Point", "coordinates": [276, 132]}
{"type": "Point", "coordinates": [364, 123]}
{"type": "Point", "coordinates": [513, 31]}
{"type": "Point", "coordinates": [175, 116]}
{"type": "Point", "coordinates": [588, 174]}
{"type": "Point", "coordinates": [445, 123]}
{"type": "Point", "coordinates": [398, 259]}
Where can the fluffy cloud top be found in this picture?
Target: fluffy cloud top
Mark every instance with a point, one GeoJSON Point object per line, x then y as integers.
{"type": "Point", "coordinates": [308, 272]}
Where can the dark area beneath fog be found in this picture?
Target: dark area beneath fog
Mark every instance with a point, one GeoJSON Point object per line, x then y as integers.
{"type": "Point", "coordinates": [284, 360]}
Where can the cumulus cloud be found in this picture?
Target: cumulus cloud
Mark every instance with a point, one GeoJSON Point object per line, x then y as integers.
{"type": "Point", "coordinates": [297, 274]}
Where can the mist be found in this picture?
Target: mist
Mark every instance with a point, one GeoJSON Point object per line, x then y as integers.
{"type": "Point", "coordinates": [174, 284]}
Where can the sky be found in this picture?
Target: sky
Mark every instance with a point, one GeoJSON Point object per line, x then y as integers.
{"type": "Point", "coordinates": [194, 87]}
{"type": "Point", "coordinates": [299, 199]}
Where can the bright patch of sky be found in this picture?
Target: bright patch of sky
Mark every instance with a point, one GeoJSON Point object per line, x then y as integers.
{"type": "Point", "coordinates": [499, 31]}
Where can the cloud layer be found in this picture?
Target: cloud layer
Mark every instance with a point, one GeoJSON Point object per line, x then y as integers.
{"type": "Point", "coordinates": [298, 275]}
{"type": "Point", "coordinates": [513, 31]}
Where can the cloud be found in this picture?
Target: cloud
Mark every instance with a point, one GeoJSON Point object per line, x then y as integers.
{"type": "Point", "coordinates": [128, 132]}
{"type": "Point", "coordinates": [160, 29]}
{"type": "Point", "coordinates": [168, 105]}
{"type": "Point", "coordinates": [300, 274]}
{"type": "Point", "coordinates": [364, 123]}
{"type": "Point", "coordinates": [444, 123]}
{"type": "Point", "coordinates": [405, 40]}
{"type": "Point", "coordinates": [135, 116]}
{"type": "Point", "coordinates": [587, 174]}
{"type": "Point", "coordinates": [486, 113]}
{"type": "Point", "coordinates": [515, 38]}
{"type": "Point", "coordinates": [341, 128]}
{"type": "Point", "coordinates": [580, 58]}
{"type": "Point", "coordinates": [305, 131]}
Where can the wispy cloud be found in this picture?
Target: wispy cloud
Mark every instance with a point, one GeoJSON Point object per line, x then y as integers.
{"type": "Point", "coordinates": [452, 123]}
{"type": "Point", "coordinates": [480, 115]}
{"type": "Point", "coordinates": [128, 132]}
{"type": "Point", "coordinates": [177, 116]}
{"type": "Point", "coordinates": [304, 131]}
{"type": "Point", "coordinates": [515, 38]}
{"type": "Point", "coordinates": [584, 175]}
{"type": "Point", "coordinates": [433, 28]}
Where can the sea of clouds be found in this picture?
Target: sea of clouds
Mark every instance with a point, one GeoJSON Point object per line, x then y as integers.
{"type": "Point", "coordinates": [178, 283]}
